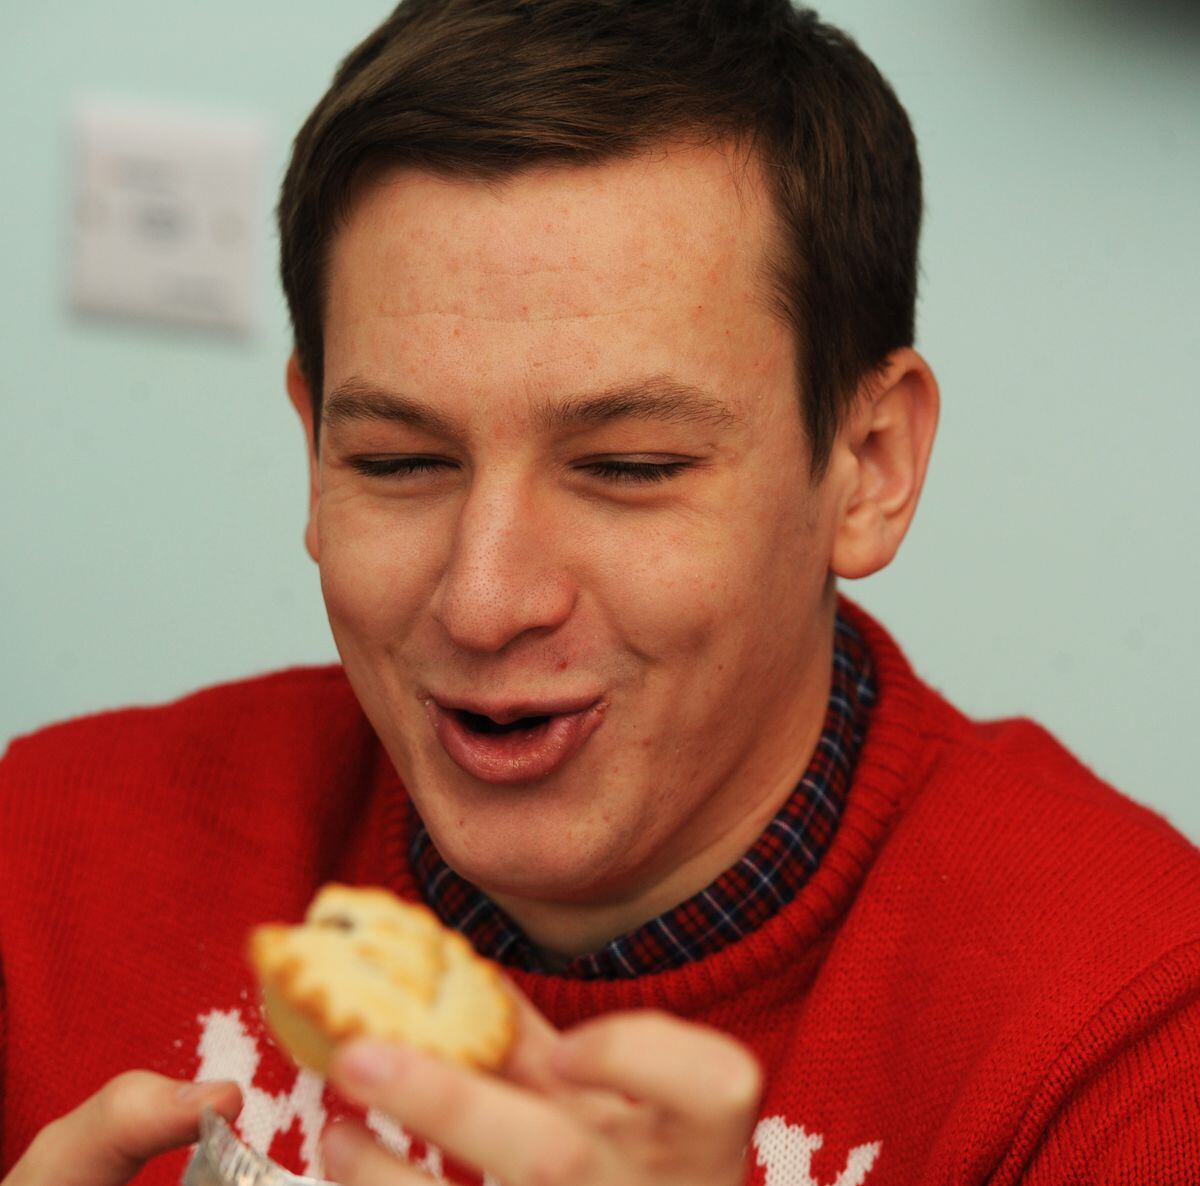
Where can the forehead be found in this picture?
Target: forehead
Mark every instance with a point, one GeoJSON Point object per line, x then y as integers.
{"type": "Point", "coordinates": [662, 257]}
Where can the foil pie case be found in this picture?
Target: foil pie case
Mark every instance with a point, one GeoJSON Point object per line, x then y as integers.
{"type": "Point", "coordinates": [221, 1159]}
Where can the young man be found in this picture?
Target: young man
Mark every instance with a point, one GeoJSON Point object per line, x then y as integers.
{"type": "Point", "coordinates": [604, 323]}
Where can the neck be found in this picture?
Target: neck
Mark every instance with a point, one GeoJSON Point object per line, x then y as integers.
{"type": "Point", "coordinates": [563, 930]}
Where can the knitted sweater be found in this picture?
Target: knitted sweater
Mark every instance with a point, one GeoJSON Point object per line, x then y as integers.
{"type": "Point", "coordinates": [993, 977]}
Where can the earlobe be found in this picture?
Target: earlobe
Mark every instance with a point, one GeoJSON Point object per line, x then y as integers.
{"type": "Point", "coordinates": [300, 394]}
{"type": "Point", "coordinates": [885, 446]}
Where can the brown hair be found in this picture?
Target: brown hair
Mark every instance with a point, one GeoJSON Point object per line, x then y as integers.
{"type": "Point", "coordinates": [485, 88]}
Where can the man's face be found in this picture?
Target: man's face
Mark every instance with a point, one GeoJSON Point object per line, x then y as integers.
{"type": "Point", "coordinates": [563, 476]}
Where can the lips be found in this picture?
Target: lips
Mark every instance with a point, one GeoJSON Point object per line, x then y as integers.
{"type": "Point", "coordinates": [514, 742]}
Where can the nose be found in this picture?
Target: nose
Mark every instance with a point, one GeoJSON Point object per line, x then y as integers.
{"type": "Point", "coordinates": [503, 578]}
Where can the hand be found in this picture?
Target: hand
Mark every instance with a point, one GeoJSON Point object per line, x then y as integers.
{"type": "Point", "coordinates": [111, 1135]}
{"type": "Point", "coordinates": [626, 1100]}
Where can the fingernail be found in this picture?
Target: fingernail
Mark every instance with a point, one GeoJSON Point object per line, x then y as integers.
{"type": "Point", "coordinates": [198, 1093]}
{"type": "Point", "coordinates": [368, 1064]}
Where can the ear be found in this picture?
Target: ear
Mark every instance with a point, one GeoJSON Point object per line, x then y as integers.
{"type": "Point", "coordinates": [300, 395]}
{"type": "Point", "coordinates": [881, 455]}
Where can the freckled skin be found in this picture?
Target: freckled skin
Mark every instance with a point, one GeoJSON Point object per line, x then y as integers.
{"type": "Point", "coordinates": [699, 609]}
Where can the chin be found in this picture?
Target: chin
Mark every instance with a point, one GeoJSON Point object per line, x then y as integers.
{"type": "Point", "coordinates": [511, 858]}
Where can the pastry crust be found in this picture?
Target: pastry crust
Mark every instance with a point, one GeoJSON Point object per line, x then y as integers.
{"type": "Point", "coordinates": [365, 964]}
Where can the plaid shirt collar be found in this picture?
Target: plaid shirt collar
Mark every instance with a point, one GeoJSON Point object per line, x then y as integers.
{"type": "Point", "coordinates": [745, 896]}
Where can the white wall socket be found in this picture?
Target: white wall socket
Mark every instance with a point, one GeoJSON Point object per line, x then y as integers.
{"type": "Point", "coordinates": [169, 218]}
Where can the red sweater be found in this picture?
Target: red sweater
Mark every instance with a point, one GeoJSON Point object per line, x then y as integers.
{"type": "Point", "coordinates": [994, 975]}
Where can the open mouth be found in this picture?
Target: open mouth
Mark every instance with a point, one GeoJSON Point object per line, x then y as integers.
{"type": "Point", "coordinates": [523, 749]}
{"type": "Point", "coordinates": [478, 723]}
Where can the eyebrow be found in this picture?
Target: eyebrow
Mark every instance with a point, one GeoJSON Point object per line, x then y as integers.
{"type": "Point", "coordinates": [656, 398]}
{"type": "Point", "coordinates": [358, 400]}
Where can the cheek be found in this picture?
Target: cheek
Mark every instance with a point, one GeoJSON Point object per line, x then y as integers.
{"type": "Point", "coordinates": [670, 590]}
{"type": "Point", "coordinates": [729, 591]}
{"type": "Point", "coordinates": [373, 575]}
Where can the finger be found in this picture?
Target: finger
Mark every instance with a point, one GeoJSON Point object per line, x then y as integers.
{"type": "Point", "coordinates": [354, 1158]}
{"type": "Point", "coordinates": [530, 1063]}
{"type": "Point", "coordinates": [110, 1136]}
{"type": "Point", "coordinates": [690, 1071]}
{"type": "Point", "coordinates": [484, 1121]}
{"type": "Point", "coordinates": [530, 1058]}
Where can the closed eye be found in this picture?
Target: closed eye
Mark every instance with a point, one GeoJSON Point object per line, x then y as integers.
{"type": "Point", "coordinates": [398, 467]}
{"type": "Point", "coordinates": [630, 473]}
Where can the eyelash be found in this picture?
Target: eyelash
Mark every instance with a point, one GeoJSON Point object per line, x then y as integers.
{"type": "Point", "coordinates": [636, 473]}
{"type": "Point", "coordinates": [396, 467]}
{"type": "Point", "coordinates": [620, 473]}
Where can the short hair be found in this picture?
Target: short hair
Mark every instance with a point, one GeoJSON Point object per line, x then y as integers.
{"type": "Point", "coordinates": [484, 89]}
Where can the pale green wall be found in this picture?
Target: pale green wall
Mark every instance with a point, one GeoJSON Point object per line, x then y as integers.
{"type": "Point", "coordinates": [152, 484]}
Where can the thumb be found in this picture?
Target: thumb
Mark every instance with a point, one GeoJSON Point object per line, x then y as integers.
{"type": "Point", "coordinates": [109, 1137]}
{"type": "Point", "coordinates": [529, 1061]}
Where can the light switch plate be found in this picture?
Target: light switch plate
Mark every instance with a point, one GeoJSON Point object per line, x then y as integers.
{"type": "Point", "coordinates": [169, 217]}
